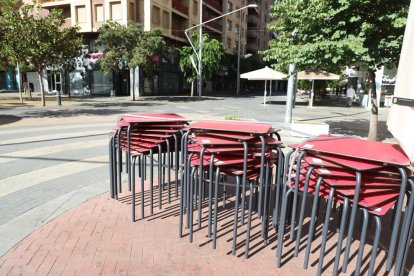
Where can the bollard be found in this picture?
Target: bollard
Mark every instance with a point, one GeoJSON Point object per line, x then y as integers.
{"type": "Point", "coordinates": [58, 98]}
{"type": "Point", "coordinates": [113, 94]}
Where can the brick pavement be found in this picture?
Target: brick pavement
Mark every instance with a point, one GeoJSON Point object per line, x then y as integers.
{"type": "Point", "coordinates": [99, 238]}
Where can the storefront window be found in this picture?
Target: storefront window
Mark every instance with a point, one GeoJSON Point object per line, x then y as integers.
{"type": "Point", "coordinates": [76, 81]}
{"type": "Point", "coordinates": [170, 82]}
{"type": "Point", "coordinates": [102, 83]}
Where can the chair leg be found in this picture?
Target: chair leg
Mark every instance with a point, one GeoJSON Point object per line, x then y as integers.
{"type": "Point", "coordinates": [216, 207]}
{"type": "Point", "coordinates": [312, 223]}
{"type": "Point", "coordinates": [142, 157]}
{"type": "Point", "coordinates": [362, 241]}
{"type": "Point", "coordinates": [151, 180]}
{"type": "Point", "coordinates": [341, 235]}
{"type": "Point", "coordinates": [132, 172]}
{"type": "Point", "coordinates": [190, 212]}
{"type": "Point", "coordinates": [111, 170]}
{"type": "Point", "coordinates": [352, 221]}
{"type": "Point", "coordinates": [281, 231]}
{"type": "Point", "coordinates": [302, 211]}
{"type": "Point", "coordinates": [325, 231]}
{"type": "Point", "coordinates": [210, 195]}
{"type": "Point", "coordinates": [249, 221]}
{"type": "Point", "coordinates": [236, 213]}
{"type": "Point", "coordinates": [168, 171]}
{"type": "Point", "coordinates": [160, 184]}
{"type": "Point", "coordinates": [375, 245]}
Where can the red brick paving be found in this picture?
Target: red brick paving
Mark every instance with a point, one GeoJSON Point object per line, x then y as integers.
{"type": "Point", "coordinates": [99, 238]}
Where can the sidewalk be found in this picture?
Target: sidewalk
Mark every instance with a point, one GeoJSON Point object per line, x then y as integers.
{"type": "Point", "coordinates": [97, 237]}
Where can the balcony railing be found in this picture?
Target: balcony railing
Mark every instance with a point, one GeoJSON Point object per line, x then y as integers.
{"type": "Point", "coordinates": [218, 5]}
{"type": "Point", "coordinates": [177, 5]}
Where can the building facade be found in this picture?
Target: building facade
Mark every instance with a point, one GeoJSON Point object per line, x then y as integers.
{"type": "Point", "coordinates": [172, 17]}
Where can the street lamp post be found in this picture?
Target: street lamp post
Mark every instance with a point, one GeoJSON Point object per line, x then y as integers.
{"type": "Point", "coordinates": [199, 53]}
{"type": "Point", "coordinates": [238, 56]}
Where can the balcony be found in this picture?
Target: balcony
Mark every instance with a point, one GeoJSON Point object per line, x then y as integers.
{"type": "Point", "coordinates": [213, 24]}
{"type": "Point", "coordinates": [218, 5]}
{"type": "Point", "coordinates": [179, 34]}
{"type": "Point", "coordinates": [253, 19]}
{"type": "Point", "coordinates": [180, 7]}
{"type": "Point", "coordinates": [252, 33]}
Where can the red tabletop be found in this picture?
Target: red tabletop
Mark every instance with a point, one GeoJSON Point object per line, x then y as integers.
{"type": "Point", "coordinates": [358, 149]}
{"type": "Point", "coordinates": [233, 126]}
{"type": "Point", "coordinates": [350, 162]}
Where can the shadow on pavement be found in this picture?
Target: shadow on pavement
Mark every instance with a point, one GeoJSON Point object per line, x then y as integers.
{"type": "Point", "coordinates": [73, 112]}
{"type": "Point", "coordinates": [8, 119]}
{"type": "Point", "coordinates": [358, 128]}
{"type": "Point", "coordinates": [118, 104]}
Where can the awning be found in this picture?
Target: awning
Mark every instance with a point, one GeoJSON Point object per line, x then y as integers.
{"type": "Point", "coordinates": [316, 75]}
{"type": "Point", "coordinates": [313, 75]}
{"type": "Point", "coordinates": [266, 74]}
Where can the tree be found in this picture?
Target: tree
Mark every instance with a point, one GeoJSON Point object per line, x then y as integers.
{"type": "Point", "coordinates": [212, 54]}
{"type": "Point", "coordinates": [331, 34]}
{"type": "Point", "coordinates": [37, 41]}
{"type": "Point", "coordinates": [6, 5]}
{"type": "Point", "coordinates": [128, 47]}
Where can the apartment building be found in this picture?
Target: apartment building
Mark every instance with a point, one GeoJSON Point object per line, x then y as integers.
{"type": "Point", "coordinates": [258, 35]}
{"type": "Point", "coordinates": [172, 17]}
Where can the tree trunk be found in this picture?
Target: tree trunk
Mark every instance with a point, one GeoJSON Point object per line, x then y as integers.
{"type": "Point", "coordinates": [373, 124]}
{"type": "Point", "coordinates": [20, 88]}
{"type": "Point", "coordinates": [42, 90]}
{"type": "Point", "coordinates": [20, 83]}
{"type": "Point", "coordinates": [131, 83]}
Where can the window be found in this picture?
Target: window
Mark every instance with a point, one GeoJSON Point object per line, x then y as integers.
{"type": "Point", "coordinates": [228, 42]}
{"type": "Point", "coordinates": [99, 13]}
{"type": "Point", "coordinates": [229, 25]}
{"type": "Point", "coordinates": [229, 6]}
{"type": "Point", "coordinates": [195, 8]}
{"type": "Point", "coordinates": [237, 28]}
{"type": "Point", "coordinates": [156, 15]}
{"type": "Point", "coordinates": [116, 10]}
{"type": "Point", "coordinates": [80, 14]}
{"type": "Point", "coordinates": [165, 19]}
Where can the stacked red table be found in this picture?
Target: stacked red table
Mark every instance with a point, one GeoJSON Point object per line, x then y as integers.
{"type": "Point", "coordinates": [370, 176]}
{"type": "Point", "coordinates": [246, 151]}
{"type": "Point", "coordinates": [141, 135]}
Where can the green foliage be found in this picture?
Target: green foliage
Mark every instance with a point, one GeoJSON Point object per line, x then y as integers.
{"type": "Point", "coordinates": [128, 46]}
{"type": "Point", "coordinates": [6, 5]}
{"type": "Point", "coordinates": [37, 42]}
{"type": "Point", "coordinates": [330, 34]}
{"type": "Point", "coordinates": [212, 53]}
